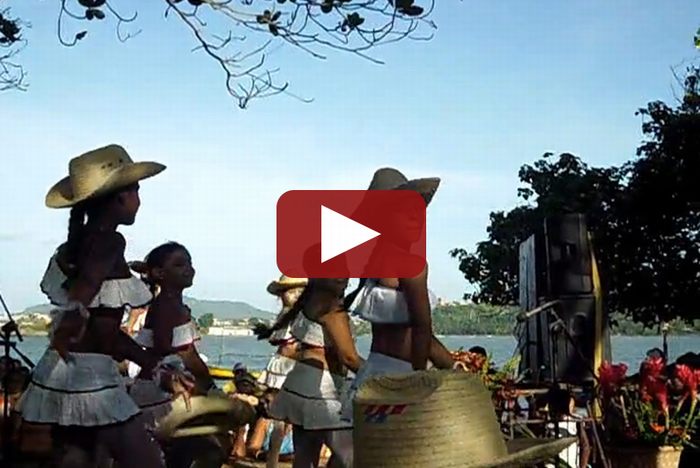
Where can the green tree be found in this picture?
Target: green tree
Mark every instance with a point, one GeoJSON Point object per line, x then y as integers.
{"type": "Point", "coordinates": [206, 321]}
{"type": "Point", "coordinates": [552, 186]}
{"type": "Point", "coordinates": [238, 35]}
{"type": "Point", "coordinates": [644, 218]}
{"type": "Point", "coordinates": [657, 271]}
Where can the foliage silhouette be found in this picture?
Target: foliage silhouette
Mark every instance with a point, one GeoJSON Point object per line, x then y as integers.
{"type": "Point", "coordinates": [237, 34]}
{"type": "Point", "coordinates": [644, 218]}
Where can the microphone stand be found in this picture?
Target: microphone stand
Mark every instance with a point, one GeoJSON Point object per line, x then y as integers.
{"type": "Point", "coordinates": [560, 327]}
{"type": "Point", "coordinates": [6, 332]}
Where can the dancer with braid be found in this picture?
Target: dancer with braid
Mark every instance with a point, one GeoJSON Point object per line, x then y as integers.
{"type": "Point", "coordinates": [76, 386]}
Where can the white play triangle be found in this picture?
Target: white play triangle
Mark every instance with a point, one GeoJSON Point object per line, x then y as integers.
{"type": "Point", "coordinates": [340, 234]}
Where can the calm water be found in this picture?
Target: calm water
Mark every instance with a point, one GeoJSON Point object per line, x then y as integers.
{"type": "Point", "coordinates": [227, 350]}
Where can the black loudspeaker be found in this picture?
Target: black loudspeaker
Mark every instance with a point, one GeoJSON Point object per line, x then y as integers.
{"type": "Point", "coordinates": [566, 255]}
{"type": "Point", "coordinates": [559, 344]}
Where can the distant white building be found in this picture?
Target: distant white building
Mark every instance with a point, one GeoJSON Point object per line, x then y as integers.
{"type": "Point", "coordinates": [229, 331]}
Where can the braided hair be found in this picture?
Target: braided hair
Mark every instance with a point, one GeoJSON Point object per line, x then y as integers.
{"type": "Point", "coordinates": [79, 215]}
{"type": "Point", "coordinates": [76, 224]}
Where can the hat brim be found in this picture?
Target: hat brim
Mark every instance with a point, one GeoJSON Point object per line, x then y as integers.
{"type": "Point", "coordinates": [276, 288]}
{"type": "Point", "coordinates": [206, 414]}
{"type": "Point", "coordinates": [529, 451]}
{"type": "Point", "coordinates": [61, 194]}
{"type": "Point", "coordinates": [426, 187]}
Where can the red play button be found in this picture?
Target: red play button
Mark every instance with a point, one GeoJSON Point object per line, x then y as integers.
{"type": "Point", "coordinates": [340, 234]}
{"type": "Point", "coordinates": [351, 233]}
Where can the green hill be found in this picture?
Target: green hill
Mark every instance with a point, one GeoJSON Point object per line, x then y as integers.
{"type": "Point", "coordinates": [222, 310]}
{"type": "Point", "coordinates": [38, 309]}
{"type": "Point", "coordinates": [226, 310]}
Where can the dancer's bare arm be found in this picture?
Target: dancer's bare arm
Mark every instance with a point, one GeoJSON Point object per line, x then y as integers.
{"type": "Point", "coordinates": [439, 355]}
{"type": "Point", "coordinates": [337, 327]}
{"type": "Point", "coordinates": [416, 293]}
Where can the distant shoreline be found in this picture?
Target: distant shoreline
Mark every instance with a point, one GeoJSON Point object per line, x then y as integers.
{"type": "Point", "coordinates": [232, 318]}
{"type": "Point", "coordinates": [46, 334]}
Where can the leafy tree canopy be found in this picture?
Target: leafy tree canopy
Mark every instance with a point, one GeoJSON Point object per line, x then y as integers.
{"type": "Point", "coordinates": [644, 218]}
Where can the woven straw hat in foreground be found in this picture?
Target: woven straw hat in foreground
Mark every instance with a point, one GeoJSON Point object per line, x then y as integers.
{"type": "Point", "coordinates": [207, 415]}
{"type": "Point", "coordinates": [437, 419]}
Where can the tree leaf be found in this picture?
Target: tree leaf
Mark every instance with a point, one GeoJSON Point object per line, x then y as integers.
{"type": "Point", "coordinates": [92, 3]}
{"type": "Point", "coordinates": [99, 14]}
{"type": "Point", "coordinates": [413, 10]}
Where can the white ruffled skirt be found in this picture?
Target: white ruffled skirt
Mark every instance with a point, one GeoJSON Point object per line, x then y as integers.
{"type": "Point", "coordinates": [376, 364]}
{"type": "Point", "coordinates": [276, 371]}
{"type": "Point", "coordinates": [310, 398]}
{"type": "Point", "coordinates": [86, 391]}
{"type": "Point", "coordinates": [153, 402]}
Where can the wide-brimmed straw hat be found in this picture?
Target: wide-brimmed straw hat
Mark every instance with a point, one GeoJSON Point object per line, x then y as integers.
{"type": "Point", "coordinates": [285, 283]}
{"type": "Point", "coordinates": [438, 419]}
{"type": "Point", "coordinates": [207, 415]}
{"type": "Point", "coordinates": [96, 173]}
{"type": "Point", "coordinates": [388, 178]}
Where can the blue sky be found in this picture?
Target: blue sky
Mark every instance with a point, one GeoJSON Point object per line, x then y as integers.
{"type": "Point", "coordinates": [501, 83]}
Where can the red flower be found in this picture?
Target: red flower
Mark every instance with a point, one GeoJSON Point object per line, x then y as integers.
{"type": "Point", "coordinates": [696, 373]}
{"type": "Point", "coordinates": [689, 380]}
{"type": "Point", "coordinates": [658, 428]}
{"type": "Point", "coordinates": [611, 377]}
{"type": "Point", "coordinates": [473, 361]}
{"type": "Point", "coordinates": [654, 388]}
{"type": "Point", "coordinates": [652, 367]}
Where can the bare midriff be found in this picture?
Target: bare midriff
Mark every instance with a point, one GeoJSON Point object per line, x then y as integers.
{"type": "Point", "coordinates": [102, 332]}
{"type": "Point", "coordinates": [322, 358]}
{"type": "Point", "coordinates": [392, 340]}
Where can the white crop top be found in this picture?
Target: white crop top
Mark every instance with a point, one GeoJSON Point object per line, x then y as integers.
{"type": "Point", "coordinates": [113, 293]}
{"type": "Point", "coordinates": [307, 331]}
{"type": "Point", "coordinates": [380, 304]}
{"type": "Point", "coordinates": [183, 335]}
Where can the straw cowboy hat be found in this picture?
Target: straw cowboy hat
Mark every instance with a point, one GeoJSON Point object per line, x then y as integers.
{"type": "Point", "coordinates": [438, 419]}
{"type": "Point", "coordinates": [388, 178]}
{"type": "Point", "coordinates": [285, 283]}
{"type": "Point", "coordinates": [207, 415]}
{"type": "Point", "coordinates": [96, 173]}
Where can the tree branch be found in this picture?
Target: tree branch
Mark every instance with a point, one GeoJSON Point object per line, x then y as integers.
{"type": "Point", "coordinates": [12, 75]}
{"type": "Point", "coordinates": [241, 32]}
